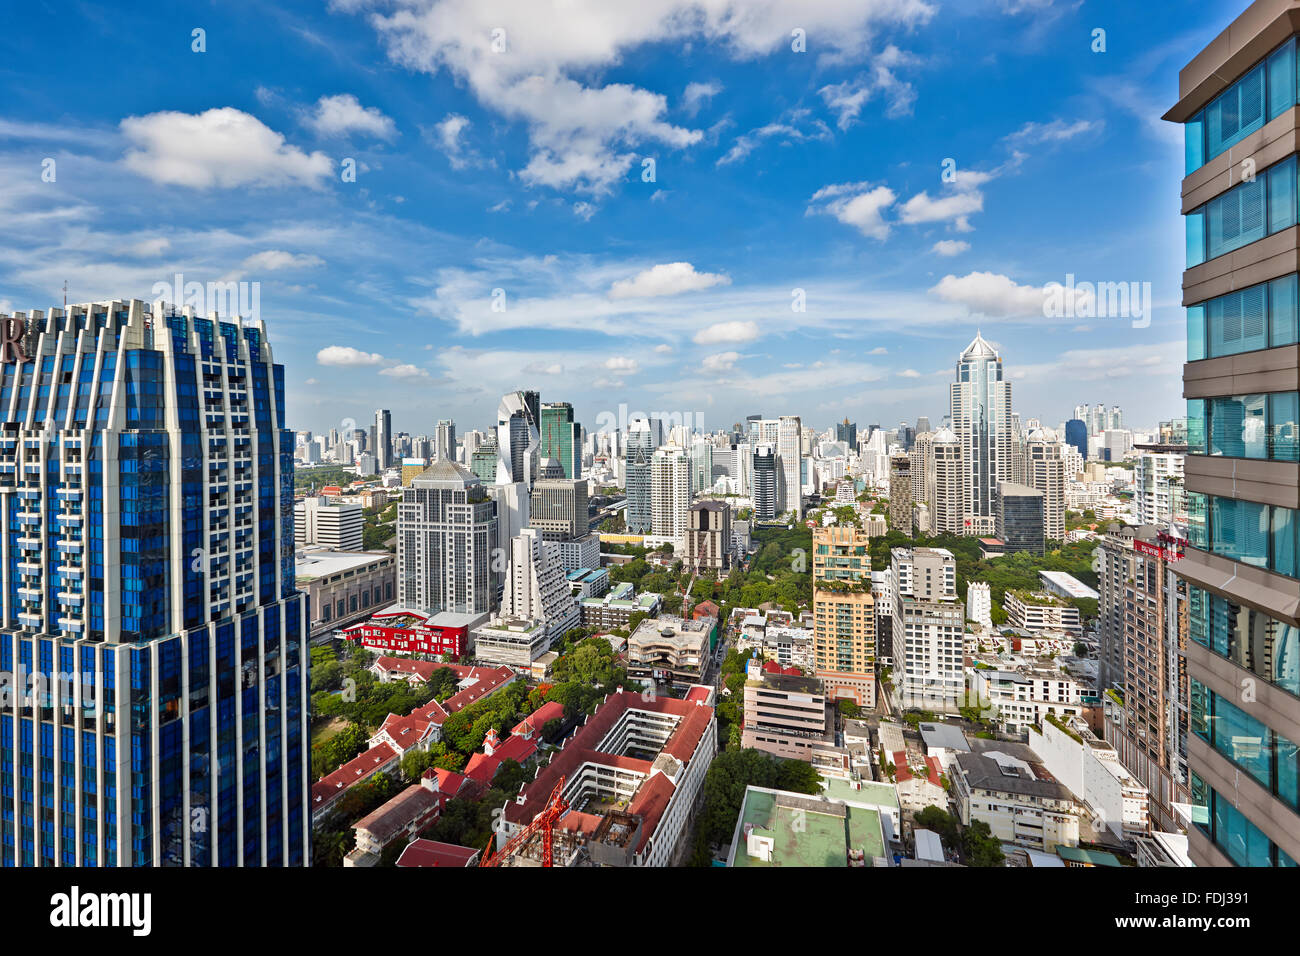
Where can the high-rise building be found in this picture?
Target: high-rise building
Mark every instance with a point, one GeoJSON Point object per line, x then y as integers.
{"type": "Point", "coordinates": [945, 483]}
{"type": "Point", "coordinates": [764, 482]}
{"type": "Point", "coordinates": [559, 507]}
{"type": "Point", "coordinates": [928, 627]}
{"type": "Point", "coordinates": [790, 465]}
{"type": "Point", "coordinates": [1076, 436]}
{"type": "Point", "coordinates": [1020, 521]}
{"type": "Point", "coordinates": [446, 530]}
{"type": "Point", "coordinates": [1158, 489]}
{"type": "Point", "coordinates": [1240, 562]}
{"type": "Point", "coordinates": [152, 641]}
{"type": "Point", "coordinates": [844, 624]}
{"type": "Point", "coordinates": [847, 432]}
{"type": "Point", "coordinates": [483, 461]}
{"type": "Point", "coordinates": [900, 494]}
{"type": "Point", "coordinates": [444, 441]}
{"type": "Point", "coordinates": [670, 494]}
{"type": "Point", "coordinates": [383, 439]}
{"type": "Point", "coordinates": [561, 437]}
{"type": "Point", "coordinates": [517, 438]}
{"type": "Point", "coordinates": [981, 419]}
{"type": "Point", "coordinates": [708, 536]}
{"type": "Point", "coordinates": [640, 455]}
{"type": "Point", "coordinates": [1143, 628]}
{"type": "Point", "coordinates": [1045, 470]}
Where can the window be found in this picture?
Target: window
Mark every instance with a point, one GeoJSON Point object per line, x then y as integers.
{"type": "Point", "coordinates": [1245, 213]}
{"type": "Point", "coordinates": [1256, 317]}
{"type": "Point", "coordinates": [1263, 93]}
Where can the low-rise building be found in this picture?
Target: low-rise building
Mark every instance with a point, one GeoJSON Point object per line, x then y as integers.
{"type": "Point", "coordinates": [1020, 697]}
{"type": "Point", "coordinates": [1116, 800]}
{"type": "Point", "coordinates": [512, 641]}
{"type": "Point", "coordinates": [786, 715]}
{"type": "Point", "coordinates": [401, 630]}
{"type": "Point", "coordinates": [588, 582]}
{"type": "Point", "coordinates": [433, 853]}
{"type": "Point", "coordinates": [1040, 611]}
{"type": "Point", "coordinates": [616, 608]}
{"type": "Point", "coordinates": [780, 828]}
{"type": "Point", "coordinates": [1006, 786]}
{"type": "Point", "coordinates": [344, 586]}
{"type": "Point", "coordinates": [670, 650]}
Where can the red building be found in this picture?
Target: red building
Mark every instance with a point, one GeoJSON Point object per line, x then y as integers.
{"type": "Point", "coordinates": [403, 631]}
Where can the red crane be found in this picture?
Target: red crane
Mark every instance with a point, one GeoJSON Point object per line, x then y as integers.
{"type": "Point", "coordinates": [543, 823]}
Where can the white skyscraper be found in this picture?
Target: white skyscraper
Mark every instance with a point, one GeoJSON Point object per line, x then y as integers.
{"type": "Point", "coordinates": [536, 588]}
{"type": "Point", "coordinates": [444, 444]}
{"type": "Point", "coordinates": [980, 403]}
{"type": "Point", "coordinates": [927, 627]}
{"type": "Point", "coordinates": [518, 438]}
{"type": "Point", "coordinates": [670, 493]}
{"type": "Point", "coordinates": [789, 451]}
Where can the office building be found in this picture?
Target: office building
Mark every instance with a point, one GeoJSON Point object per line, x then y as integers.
{"type": "Point", "coordinates": [708, 536]}
{"type": "Point", "coordinates": [847, 432]}
{"type": "Point", "coordinates": [640, 457]}
{"type": "Point", "coordinates": [381, 445]}
{"type": "Point", "coordinates": [980, 403]}
{"type": "Point", "coordinates": [558, 507]}
{"type": "Point", "coordinates": [537, 588]}
{"type": "Point", "coordinates": [1158, 489]}
{"type": "Point", "coordinates": [444, 440]}
{"type": "Point", "coordinates": [1076, 436]}
{"type": "Point", "coordinates": [1036, 611]}
{"type": "Point", "coordinates": [1236, 99]}
{"type": "Point", "coordinates": [789, 452]}
{"type": "Point", "coordinates": [764, 480]}
{"type": "Point", "coordinates": [332, 525]}
{"type": "Point", "coordinates": [1020, 522]}
{"type": "Point", "coordinates": [517, 438]}
{"type": "Point", "coordinates": [446, 530]}
{"type": "Point", "coordinates": [844, 621]}
{"type": "Point", "coordinates": [946, 483]}
{"type": "Point", "coordinates": [1044, 469]}
{"type": "Point", "coordinates": [561, 438]}
{"type": "Point", "coordinates": [786, 715]}
{"type": "Point", "coordinates": [671, 650]}
{"type": "Point", "coordinates": [153, 642]}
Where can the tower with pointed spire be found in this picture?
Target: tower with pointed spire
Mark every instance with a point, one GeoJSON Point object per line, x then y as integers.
{"type": "Point", "coordinates": [980, 406]}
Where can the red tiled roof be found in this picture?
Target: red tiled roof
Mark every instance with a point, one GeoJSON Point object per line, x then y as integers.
{"type": "Point", "coordinates": [422, 669]}
{"type": "Point", "coordinates": [539, 718]}
{"type": "Point", "coordinates": [353, 772]}
{"type": "Point", "coordinates": [650, 802]}
{"type": "Point", "coordinates": [413, 806]}
{"type": "Point", "coordinates": [433, 853]}
{"type": "Point", "coordinates": [772, 667]}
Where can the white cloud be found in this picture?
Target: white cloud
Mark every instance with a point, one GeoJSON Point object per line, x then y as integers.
{"type": "Point", "coordinates": [991, 294]}
{"type": "Point", "coordinates": [909, 373]}
{"type": "Point", "coordinates": [619, 363]}
{"type": "Point", "coordinates": [721, 362]}
{"type": "Point", "coordinates": [404, 371]}
{"type": "Point", "coordinates": [664, 349]}
{"type": "Point", "coordinates": [669, 278]}
{"type": "Point", "coordinates": [848, 98]}
{"type": "Point", "coordinates": [447, 135]}
{"type": "Point", "coordinates": [582, 136]}
{"type": "Point", "coordinates": [584, 211]}
{"type": "Point", "coordinates": [222, 148]}
{"type": "Point", "coordinates": [794, 126]}
{"type": "Point", "coordinates": [345, 356]}
{"type": "Point", "coordinates": [950, 247]}
{"type": "Point", "coordinates": [150, 248]}
{"type": "Point", "coordinates": [273, 260]}
{"type": "Point", "coordinates": [879, 350]}
{"type": "Point", "coordinates": [726, 332]}
{"type": "Point", "coordinates": [343, 114]}
{"type": "Point", "coordinates": [856, 204]}
{"type": "Point", "coordinates": [697, 94]}
{"type": "Point", "coordinates": [1057, 131]}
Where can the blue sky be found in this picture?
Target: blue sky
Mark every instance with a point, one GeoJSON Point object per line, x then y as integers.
{"type": "Point", "coordinates": [523, 169]}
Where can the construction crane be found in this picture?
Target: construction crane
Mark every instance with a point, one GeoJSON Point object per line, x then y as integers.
{"type": "Point", "coordinates": [543, 823]}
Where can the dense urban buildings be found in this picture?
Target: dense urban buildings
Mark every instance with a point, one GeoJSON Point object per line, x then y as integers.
{"type": "Point", "coordinates": [150, 599]}
{"type": "Point", "coordinates": [844, 621]}
{"type": "Point", "coordinates": [1236, 98]}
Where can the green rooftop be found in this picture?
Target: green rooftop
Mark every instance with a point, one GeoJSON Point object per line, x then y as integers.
{"type": "Point", "coordinates": [1078, 854]}
{"type": "Point", "coordinates": [806, 831]}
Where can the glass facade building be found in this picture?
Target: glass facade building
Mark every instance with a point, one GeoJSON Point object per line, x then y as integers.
{"type": "Point", "coordinates": [1241, 473]}
{"type": "Point", "coordinates": [152, 645]}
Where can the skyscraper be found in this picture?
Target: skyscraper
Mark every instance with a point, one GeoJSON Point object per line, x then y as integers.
{"type": "Point", "coordinates": [847, 432]}
{"type": "Point", "coordinates": [670, 494]}
{"type": "Point", "coordinates": [981, 419]}
{"type": "Point", "coordinates": [153, 642]}
{"type": "Point", "coordinates": [561, 437]}
{"type": "Point", "coordinates": [446, 529]}
{"type": "Point", "coordinates": [383, 439]}
{"type": "Point", "coordinates": [790, 471]}
{"type": "Point", "coordinates": [900, 494]}
{"type": "Point", "coordinates": [945, 482]}
{"type": "Point", "coordinates": [444, 442]}
{"type": "Point", "coordinates": [1045, 471]}
{"type": "Point", "coordinates": [928, 626]}
{"type": "Point", "coordinates": [1240, 562]}
{"type": "Point", "coordinates": [640, 454]}
{"type": "Point", "coordinates": [517, 438]}
{"type": "Point", "coordinates": [763, 479]}
{"type": "Point", "coordinates": [1076, 435]}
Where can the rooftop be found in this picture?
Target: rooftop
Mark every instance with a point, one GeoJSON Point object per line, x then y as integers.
{"type": "Point", "coordinates": [310, 564]}
{"type": "Point", "coordinates": [806, 831]}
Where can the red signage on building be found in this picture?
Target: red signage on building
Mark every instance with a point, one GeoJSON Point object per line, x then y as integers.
{"type": "Point", "coordinates": [1169, 554]}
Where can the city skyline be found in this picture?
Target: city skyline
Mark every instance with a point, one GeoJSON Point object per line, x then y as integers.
{"type": "Point", "coordinates": [830, 179]}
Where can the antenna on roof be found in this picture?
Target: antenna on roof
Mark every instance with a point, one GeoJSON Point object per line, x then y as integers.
{"type": "Point", "coordinates": [65, 295]}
